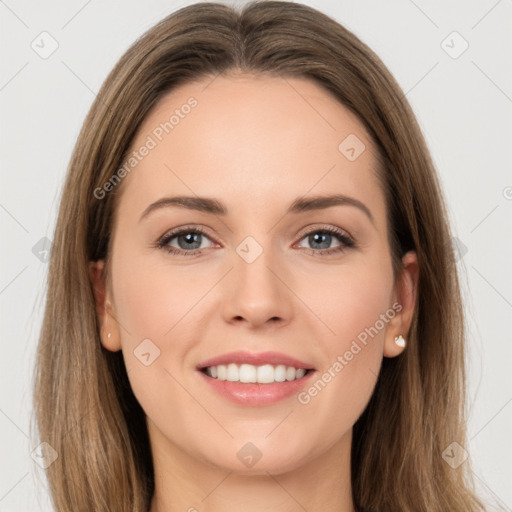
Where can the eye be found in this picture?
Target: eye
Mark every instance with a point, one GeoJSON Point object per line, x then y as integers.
{"type": "Point", "coordinates": [320, 241]}
{"type": "Point", "coordinates": [189, 241]}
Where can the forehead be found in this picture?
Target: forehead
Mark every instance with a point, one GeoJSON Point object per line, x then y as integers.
{"type": "Point", "coordinates": [252, 140]}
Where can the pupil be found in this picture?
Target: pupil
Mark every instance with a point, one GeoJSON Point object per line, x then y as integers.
{"type": "Point", "coordinates": [314, 239]}
{"type": "Point", "coordinates": [190, 238]}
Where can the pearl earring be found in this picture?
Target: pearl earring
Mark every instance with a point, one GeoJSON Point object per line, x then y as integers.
{"type": "Point", "coordinates": [400, 341]}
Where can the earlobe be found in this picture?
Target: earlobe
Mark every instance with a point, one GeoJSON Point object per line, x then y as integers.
{"type": "Point", "coordinates": [109, 332]}
{"type": "Point", "coordinates": [405, 294]}
{"type": "Point", "coordinates": [394, 345]}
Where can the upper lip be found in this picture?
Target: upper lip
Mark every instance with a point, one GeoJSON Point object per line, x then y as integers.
{"type": "Point", "coordinates": [256, 359]}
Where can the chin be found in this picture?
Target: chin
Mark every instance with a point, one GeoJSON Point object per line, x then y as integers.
{"type": "Point", "coordinates": [257, 457]}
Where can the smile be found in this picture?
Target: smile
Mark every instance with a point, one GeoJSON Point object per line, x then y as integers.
{"type": "Point", "coordinates": [248, 373]}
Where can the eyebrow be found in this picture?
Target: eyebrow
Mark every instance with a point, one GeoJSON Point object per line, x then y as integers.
{"type": "Point", "coordinates": [300, 205]}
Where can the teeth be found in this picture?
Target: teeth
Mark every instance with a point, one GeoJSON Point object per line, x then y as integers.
{"type": "Point", "coordinates": [265, 374]}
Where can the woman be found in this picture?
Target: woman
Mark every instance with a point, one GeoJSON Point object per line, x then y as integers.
{"type": "Point", "coordinates": [252, 297]}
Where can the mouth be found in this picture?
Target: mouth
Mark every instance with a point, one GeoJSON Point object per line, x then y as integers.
{"type": "Point", "coordinates": [255, 368]}
{"type": "Point", "coordinates": [250, 379]}
{"type": "Point", "coordinates": [252, 374]}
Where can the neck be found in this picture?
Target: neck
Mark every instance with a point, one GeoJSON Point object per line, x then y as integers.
{"type": "Point", "coordinates": [184, 483]}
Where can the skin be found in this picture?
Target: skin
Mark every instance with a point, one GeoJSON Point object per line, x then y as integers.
{"type": "Point", "coordinates": [255, 143]}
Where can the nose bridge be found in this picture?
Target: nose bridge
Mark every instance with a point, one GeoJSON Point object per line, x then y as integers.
{"type": "Point", "coordinates": [256, 291]}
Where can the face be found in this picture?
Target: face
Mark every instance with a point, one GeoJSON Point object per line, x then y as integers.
{"type": "Point", "coordinates": [260, 267]}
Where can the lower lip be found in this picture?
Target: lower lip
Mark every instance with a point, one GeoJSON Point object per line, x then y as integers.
{"type": "Point", "coordinates": [257, 394]}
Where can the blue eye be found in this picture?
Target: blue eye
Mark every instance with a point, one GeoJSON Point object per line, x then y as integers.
{"type": "Point", "coordinates": [324, 237]}
{"type": "Point", "coordinates": [190, 240]}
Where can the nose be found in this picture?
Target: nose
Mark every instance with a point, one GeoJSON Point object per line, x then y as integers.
{"type": "Point", "coordinates": [257, 293]}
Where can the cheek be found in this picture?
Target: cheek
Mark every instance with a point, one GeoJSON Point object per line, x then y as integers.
{"type": "Point", "coordinates": [357, 313]}
{"type": "Point", "coordinates": [151, 304]}
{"type": "Point", "coordinates": [350, 298]}
{"type": "Point", "coordinates": [157, 305]}
{"type": "Point", "coordinates": [151, 299]}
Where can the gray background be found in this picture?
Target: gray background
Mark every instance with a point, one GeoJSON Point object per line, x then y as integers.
{"type": "Point", "coordinates": [463, 105]}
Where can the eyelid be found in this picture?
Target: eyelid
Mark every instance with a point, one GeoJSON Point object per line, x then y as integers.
{"type": "Point", "coordinates": [186, 228]}
{"type": "Point", "coordinates": [323, 227]}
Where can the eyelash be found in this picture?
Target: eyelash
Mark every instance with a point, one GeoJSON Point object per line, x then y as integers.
{"type": "Point", "coordinates": [346, 241]}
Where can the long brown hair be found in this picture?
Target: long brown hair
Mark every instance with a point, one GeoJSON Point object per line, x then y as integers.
{"type": "Point", "coordinates": [84, 405]}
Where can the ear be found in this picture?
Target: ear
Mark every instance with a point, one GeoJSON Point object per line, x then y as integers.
{"type": "Point", "coordinates": [109, 328]}
{"type": "Point", "coordinates": [404, 296]}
